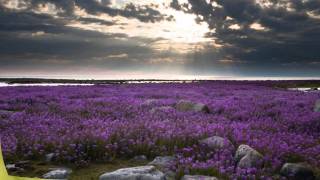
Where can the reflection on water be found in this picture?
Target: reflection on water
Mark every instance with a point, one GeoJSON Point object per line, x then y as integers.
{"type": "Point", "coordinates": [3, 84]}
{"type": "Point", "coordinates": [304, 89]}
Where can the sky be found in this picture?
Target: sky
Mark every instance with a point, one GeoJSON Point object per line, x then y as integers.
{"type": "Point", "coordinates": [164, 39]}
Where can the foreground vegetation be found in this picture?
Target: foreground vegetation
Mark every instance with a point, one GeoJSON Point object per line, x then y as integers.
{"type": "Point", "coordinates": [93, 126]}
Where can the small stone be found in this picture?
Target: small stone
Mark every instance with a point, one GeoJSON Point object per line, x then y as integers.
{"type": "Point", "coordinates": [191, 106]}
{"type": "Point", "coordinates": [297, 171]}
{"type": "Point", "coordinates": [58, 173]}
{"type": "Point", "coordinates": [317, 106]}
{"type": "Point", "coordinates": [11, 167]}
{"type": "Point", "coordinates": [23, 164]}
{"type": "Point", "coordinates": [14, 168]}
{"type": "Point", "coordinates": [49, 157]}
{"type": "Point", "coordinates": [216, 142]}
{"type": "Point", "coordinates": [149, 102]}
{"type": "Point", "coordinates": [198, 177]}
{"type": "Point", "coordinates": [6, 111]}
{"type": "Point", "coordinates": [140, 158]}
{"type": "Point", "coordinates": [134, 173]}
{"type": "Point", "coordinates": [248, 157]}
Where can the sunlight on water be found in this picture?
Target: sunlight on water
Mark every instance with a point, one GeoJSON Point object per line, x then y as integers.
{"type": "Point", "coordinates": [3, 84]}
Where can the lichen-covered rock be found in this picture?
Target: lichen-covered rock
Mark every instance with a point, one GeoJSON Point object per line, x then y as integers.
{"type": "Point", "coordinates": [58, 173]}
{"type": "Point", "coordinates": [216, 142]}
{"type": "Point", "coordinates": [248, 157]}
{"type": "Point", "coordinates": [191, 106]}
{"type": "Point", "coordinates": [297, 171]}
{"type": "Point", "coordinates": [317, 106]}
{"type": "Point", "coordinates": [134, 173]}
{"type": "Point", "coordinates": [198, 177]}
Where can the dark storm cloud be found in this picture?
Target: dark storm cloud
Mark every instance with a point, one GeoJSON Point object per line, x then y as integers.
{"type": "Point", "coordinates": [144, 13]}
{"type": "Point", "coordinates": [29, 39]}
{"type": "Point", "coordinates": [291, 34]}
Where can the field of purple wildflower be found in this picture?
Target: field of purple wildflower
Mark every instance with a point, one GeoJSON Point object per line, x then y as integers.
{"type": "Point", "coordinates": [82, 125]}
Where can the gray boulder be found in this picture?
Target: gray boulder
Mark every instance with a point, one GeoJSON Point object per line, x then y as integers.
{"type": "Point", "coordinates": [58, 173]}
{"type": "Point", "coordinates": [134, 173]}
{"type": "Point", "coordinates": [297, 171]}
{"type": "Point", "coordinates": [216, 142]}
{"type": "Point", "coordinates": [198, 177]}
{"type": "Point", "coordinates": [191, 106]}
{"type": "Point", "coordinates": [317, 106]}
{"type": "Point", "coordinates": [247, 157]}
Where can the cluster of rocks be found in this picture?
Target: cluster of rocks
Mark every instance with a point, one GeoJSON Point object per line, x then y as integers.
{"type": "Point", "coordinates": [247, 157]}
{"type": "Point", "coordinates": [158, 169]}
{"type": "Point", "coordinates": [189, 106]}
{"type": "Point", "coordinates": [182, 105]}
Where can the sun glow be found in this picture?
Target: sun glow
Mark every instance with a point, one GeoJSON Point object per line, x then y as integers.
{"type": "Point", "coordinates": [183, 29]}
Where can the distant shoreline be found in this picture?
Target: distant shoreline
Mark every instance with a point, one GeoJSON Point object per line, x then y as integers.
{"type": "Point", "coordinates": [276, 83]}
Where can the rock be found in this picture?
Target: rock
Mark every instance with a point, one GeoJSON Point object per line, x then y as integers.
{"type": "Point", "coordinates": [317, 106]}
{"type": "Point", "coordinates": [242, 151]}
{"type": "Point", "coordinates": [149, 102]}
{"type": "Point", "coordinates": [12, 168]}
{"type": "Point", "coordinates": [198, 177]}
{"type": "Point", "coordinates": [191, 106]}
{"type": "Point", "coordinates": [49, 157]}
{"type": "Point", "coordinates": [23, 164]}
{"type": "Point", "coordinates": [134, 173]}
{"type": "Point", "coordinates": [161, 109]}
{"type": "Point", "coordinates": [140, 158]}
{"type": "Point", "coordinates": [216, 142]}
{"type": "Point", "coordinates": [252, 159]}
{"type": "Point", "coordinates": [248, 157]}
{"type": "Point", "coordinates": [297, 171]}
{"type": "Point", "coordinates": [19, 166]}
{"type": "Point", "coordinates": [170, 175]}
{"type": "Point", "coordinates": [5, 113]}
{"type": "Point", "coordinates": [2, 111]}
{"type": "Point", "coordinates": [163, 161]}
{"type": "Point", "coordinates": [58, 173]}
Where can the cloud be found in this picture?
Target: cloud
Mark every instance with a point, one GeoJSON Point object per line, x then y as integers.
{"type": "Point", "coordinates": [262, 32]}
{"type": "Point", "coordinates": [196, 36]}
{"type": "Point", "coordinates": [118, 56]}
